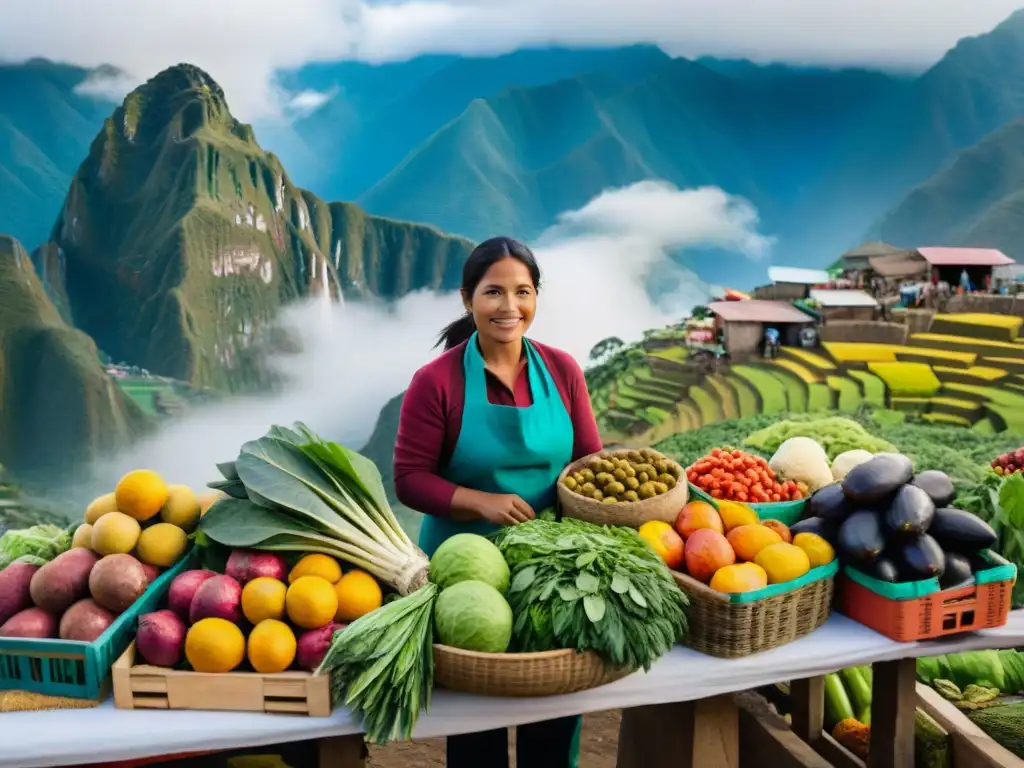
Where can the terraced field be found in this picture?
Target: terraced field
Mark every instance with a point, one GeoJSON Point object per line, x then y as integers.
{"type": "Point", "coordinates": [967, 371]}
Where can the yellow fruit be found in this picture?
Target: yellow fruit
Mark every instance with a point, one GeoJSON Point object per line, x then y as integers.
{"type": "Point", "coordinates": [140, 494]}
{"type": "Point", "coordinates": [263, 598]}
{"type": "Point", "coordinates": [207, 499]}
{"type": "Point", "coordinates": [99, 507]}
{"type": "Point", "coordinates": [324, 566]}
{"type": "Point", "coordinates": [214, 645]}
{"type": "Point", "coordinates": [819, 551]}
{"type": "Point", "coordinates": [115, 534]}
{"type": "Point", "coordinates": [734, 514]}
{"type": "Point", "coordinates": [162, 545]}
{"type": "Point", "coordinates": [181, 508]}
{"type": "Point", "coordinates": [358, 594]}
{"type": "Point", "coordinates": [742, 577]}
{"type": "Point", "coordinates": [311, 602]}
{"type": "Point", "coordinates": [83, 537]}
{"type": "Point", "coordinates": [748, 540]}
{"type": "Point", "coordinates": [271, 646]}
{"type": "Point", "coordinates": [783, 562]}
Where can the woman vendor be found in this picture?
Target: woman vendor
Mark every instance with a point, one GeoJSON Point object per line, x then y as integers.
{"type": "Point", "coordinates": [484, 432]}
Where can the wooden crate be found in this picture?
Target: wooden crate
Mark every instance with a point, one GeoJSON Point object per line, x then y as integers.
{"type": "Point", "coordinates": [146, 687]}
{"type": "Point", "coordinates": [972, 747]}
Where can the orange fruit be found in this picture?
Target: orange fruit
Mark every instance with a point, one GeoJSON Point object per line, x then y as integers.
{"type": "Point", "coordinates": [742, 577]}
{"type": "Point", "coordinates": [311, 602]}
{"type": "Point", "coordinates": [214, 645]}
{"type": "Point", "coordinates": [316, 564]}
{"type": "Point", "coordinates": [263, 598]}
{"type": "Point", "coordinates": [358, 594]}
{"type": "Point", "coordinates": [818, 550]}
{"type": "Point", "coordinates": [664, 540]}
{"type": "Point", "coordinates": [748, 540]}
{"type": "Point", "coordinates": [141, 494]}
{"type": "Point", "coordinates": [783, 562]}
{"type": "Point", "coordinates": [271, 647]}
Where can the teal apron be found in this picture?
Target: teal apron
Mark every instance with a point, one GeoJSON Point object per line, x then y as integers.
{"type": "Point", "coordinates": [506, 449]}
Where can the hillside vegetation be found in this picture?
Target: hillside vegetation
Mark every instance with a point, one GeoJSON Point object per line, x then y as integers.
{"type": "Point", "coordinates": [180, 239]}
{"type": "Point", "coordinates": [58, 406]}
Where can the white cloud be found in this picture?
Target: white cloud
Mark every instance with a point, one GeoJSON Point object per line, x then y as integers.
{"type": "Point", "coordinates": [309, 101]}
{"type": "Point", "coordinates": [242, 42]}
{"type": "Point", "coordinates": [357, 356]}
{"type": "Point", "coordinates": [106, 84]}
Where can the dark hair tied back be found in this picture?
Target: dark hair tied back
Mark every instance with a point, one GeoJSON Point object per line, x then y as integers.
{"type": "Point", "coordinates": [483, 257]}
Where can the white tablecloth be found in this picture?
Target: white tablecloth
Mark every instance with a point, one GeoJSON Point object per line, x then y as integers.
{"type": "Point", "coordinates": [68, 737]}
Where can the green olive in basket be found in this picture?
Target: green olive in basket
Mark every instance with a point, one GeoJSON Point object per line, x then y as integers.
{"type": "Point", "coordinates": [609, 500]}
{"type": "Point", "coordinates": [570, 483]}
{"type": "Point", "coordinates": [596, 495]}
{"type": "Point", "coordinates": [620, 474]}
{"type": "Point", "coordinates": [629, 470]}
{"type": "Point", "coordinates": [660, 488]}
{"type": "Point", "coordinates": [667, 479]}
{"type": "Point", "coordinates": [587, 475]}
{"type": "Point", "coordinates": [631, 483]}
{"type": "Point", "coordinates": [580, 479]}
{"type": "Point", "coordinates": [646, 491]}
{"type": "Point", "coordinates": [603, 478]}
{"type": "Point", "coordinates": [675, 470]}
{"type": "Point", "coordinates": [642, 477]}
{"type": "Point", "coordinates": [594, 465]}
{"type": "Point", "coordinates": [587, 488]}
{"type": "Point", "coordinates": [630, 496]}
{"type": "Point", "coordinates": [607, 466]}
{"type": "Point", "coordinates": [661, 465]}
{"type": "Point", "coordinates": [614, 488]}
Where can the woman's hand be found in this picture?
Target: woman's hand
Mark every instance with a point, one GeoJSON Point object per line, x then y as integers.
{"type": "Point", "coordinates": [496, 508]}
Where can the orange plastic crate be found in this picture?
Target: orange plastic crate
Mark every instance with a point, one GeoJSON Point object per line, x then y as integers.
{"type": "Point", "coordinates": [949, 612]}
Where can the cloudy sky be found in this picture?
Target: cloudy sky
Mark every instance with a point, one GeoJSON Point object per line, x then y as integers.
{"type": "Point", "coordinates": [242, 42]}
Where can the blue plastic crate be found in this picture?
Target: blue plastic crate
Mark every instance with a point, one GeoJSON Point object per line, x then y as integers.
{"type": "Point", "coordinates": [74, 669]}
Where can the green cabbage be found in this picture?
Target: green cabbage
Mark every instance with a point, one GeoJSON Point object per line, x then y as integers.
{"type": "Point", "coordinates": [468, 557]}
{"type": "Point", "coordinates": [37, 545]}
{"type": "Point", "coordinates": [473, 616]}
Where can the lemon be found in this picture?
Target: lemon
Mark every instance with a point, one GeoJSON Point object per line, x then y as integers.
{"type": "Point", "coordinates": [83, 537]}
{"type": "Point", "coordinates": [263, 598]}
{"type": "Point", "coordinates": [214, 645]}
{"type": "Point", "coordinates": [819, 551]}
{"type": "Point", "coordinates": [271, 646]}
{"type": "Point", "coordinates": [358, 594]}
{"type": "Point", "coordinates": [783, 562]}
{"type": "Point", "coordinates": [324, 566]}
{"type": "Point", "coordinates": [311, 602]}
{"type": "Point", "coordinates": [99, 507]}
{"type": "Point", "coordinates": [181, 508]}
{"type": "Point", "coordinates": [162, 545]}
{"type": "Point", "coordinates": [115, 534]}
{"type": "Point", "coordinates": [141, 494]}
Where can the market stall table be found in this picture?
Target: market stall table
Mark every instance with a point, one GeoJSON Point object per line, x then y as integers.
{"type": "Point", "coordinates": [106, 734]}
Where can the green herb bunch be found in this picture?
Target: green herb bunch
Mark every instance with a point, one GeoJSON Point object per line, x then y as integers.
{"type": "Point", "coordinates": [591, 588]}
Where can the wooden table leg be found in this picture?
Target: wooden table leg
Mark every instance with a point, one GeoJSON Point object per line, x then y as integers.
{"type": "Point", "coordinates": [694, 734]}
{"type": "Point", "coordinates": [342, 752]}
{"type": "Point", "coordinates": [808, 699]}
{"type": "Point", "coordinates": [893, 703]}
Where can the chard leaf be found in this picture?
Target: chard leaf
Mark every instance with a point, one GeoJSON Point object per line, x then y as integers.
{"type": "Point", "coordinates": [568, 593]}
{"type": "Point", "coordinates": [587, 582]}
{"type": "Point", "coordinates": [234, 488]}
{"type": "Point", "coordinates": [637, 597]}
{"type": "Point", "coordinates": [620, 583]}
{"type": "Point", "coordinates": [523, 579]}
{"type": "Point", "coordinates": [586, 559]}
{"type": "Point", "coordinates": [240, 523]}
{"type": "Point", "coordinates": [227, 470]}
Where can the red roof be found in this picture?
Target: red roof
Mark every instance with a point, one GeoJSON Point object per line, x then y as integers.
{"type": "Point", "coordinates": [758, 311]}
{"type": "Point", "coordinates": [966, 257]}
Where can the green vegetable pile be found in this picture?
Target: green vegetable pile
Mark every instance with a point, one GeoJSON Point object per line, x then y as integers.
{"type": "Point", "coordinates": [37, 545]}
{"type": "Point", "coordinates": [835, 434]}
{"type": "Point", "coordinates": [592, 588]}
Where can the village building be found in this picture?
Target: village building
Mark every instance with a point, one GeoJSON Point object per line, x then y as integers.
{"type": "Point", "coordinates": [844, 304]}
{"type": "Point", "coordinates": [742, 324]}
{"type": "Point", "coordinates": [790, 283]}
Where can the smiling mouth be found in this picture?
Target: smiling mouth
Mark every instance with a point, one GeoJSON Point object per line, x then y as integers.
{"type": "Point", "coordinates": [507, 322]}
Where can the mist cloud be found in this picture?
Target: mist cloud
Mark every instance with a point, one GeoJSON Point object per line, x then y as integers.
{"type": "Point", "coordinates": [243, 42]}
{"type": "Point", "coordinates": [357, 356]}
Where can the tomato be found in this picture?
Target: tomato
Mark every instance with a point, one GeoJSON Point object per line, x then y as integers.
{"type": "Point", "coordinates": [777, 497]}
{"type": "Point", "coordinates": [797, 496]}
{"type": "Point", "coordinates": [716, 451]}
{"type": "Point", "coordinates": [741, 496]}
{"type": "Point", "coordinates": [716, 493]}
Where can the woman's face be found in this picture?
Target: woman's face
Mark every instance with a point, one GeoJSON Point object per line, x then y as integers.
{"type": "Point", "coordinates": [504, 301]}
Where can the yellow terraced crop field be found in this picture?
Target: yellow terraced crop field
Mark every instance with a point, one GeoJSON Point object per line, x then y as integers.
{"type": "Point", "coordinates": [938, 340]}
{"type": "Point", "coordinates": [805, 374]}
{"type": "Point", "coordinates": [810, 358]}
{"type": "Point", "coordinates": [981, 318]}
{"type": "Point", "coordinates": [977, 371]}
{"type": "Point", "coordinates": [906, 379]}
{"type": "Point", "coordinates": [856, 352]}
{"type": "Point", "coordinates": [967, 358]}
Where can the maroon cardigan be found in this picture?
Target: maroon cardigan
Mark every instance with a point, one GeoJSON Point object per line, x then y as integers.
{"type": "Point", "coordinates": [431, 419]}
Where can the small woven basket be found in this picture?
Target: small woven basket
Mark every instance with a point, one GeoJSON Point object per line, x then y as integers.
{"type": "Point", "coordinates": [632, 514]}
{"type": "Point", "coordinates": [519, 675]}
{"type": "Point", "coordinates": [728, 630]}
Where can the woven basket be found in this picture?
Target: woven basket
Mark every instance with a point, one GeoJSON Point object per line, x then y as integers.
{"type": "Point", "coordinates": [633, 514]}
{"type": "Point", "coordinates": [729, 630]}
{"type": "Point", "coordinates": [521, 674]}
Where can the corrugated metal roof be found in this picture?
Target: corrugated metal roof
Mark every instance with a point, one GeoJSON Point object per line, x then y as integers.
{"type": "Point", "coordinates": [874, 248]}
{"type": "Point", "coordinates": [758, 311]}
{"type": "Point", "coordinates": [968, 257]}
{"type": "Point", "coordinates": [842, 297]}
{"type": "Point", "coordinates": [797, 275]}
{"type": "Point", "coordinates": [898, 265]}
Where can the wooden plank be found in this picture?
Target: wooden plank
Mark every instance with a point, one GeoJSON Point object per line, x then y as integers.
{"type": "Point", "coordinates": [972, 747]}
{"type": "Point", "coordinates": [808, 702]}
{"type": "Point", "coordinates": [893, 703]}
{"type": "Point", "coordinates": [693, 734]}
{"type": "Point", "coordinates": [342, 752]}
{"type": "Point", "coordinates": [716, 733]}
{"type": "Point", "coordinates": [766, 739]}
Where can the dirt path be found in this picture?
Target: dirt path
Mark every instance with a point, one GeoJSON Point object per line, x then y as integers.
{"type": "Point", "coordinates": [598, 746]}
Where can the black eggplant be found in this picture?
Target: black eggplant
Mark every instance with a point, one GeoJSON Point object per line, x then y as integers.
{"type": "Point", "coordinates": [829, 503]}
{"type": "Point", "coordinates": [986, 559]}
{"type": "Point", "coordinates": [959, 531]}
{"type": "Point", "coordinates": [814, 525]}
{"type": "Point", "coordinates": [884, 569]}
{"type": "Point", "coordinates": [861, 539]}
{"type": "Point", "coordinates": [878, 478]}
{"type": "Point", "coordinates": [958, 570]}
{"type": "Point", "coordinates": [910, 512]}
{"type": "Point", "coordinates": [937, 485]}
{"type": "Point", "coordinates": [921, 558]}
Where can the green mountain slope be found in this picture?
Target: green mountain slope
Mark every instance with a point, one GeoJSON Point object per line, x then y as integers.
{"type": "Point", "coordinates": [977, 199]}
{"type": "Point", "coordinates": [180, 239]}
{"type": "Point", "coordinates": [58, 406]}
{"type": "Point", "coordinates": [380, 114]}
{"type": "Point", "coordinates": [514, 161]}
{"type": "Point", "coordinates": [45, 130]}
